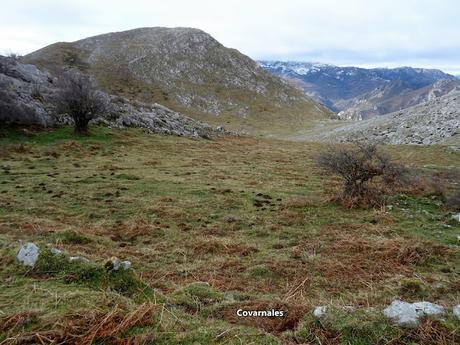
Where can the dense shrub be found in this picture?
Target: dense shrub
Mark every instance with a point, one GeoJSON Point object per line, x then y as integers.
{"type": "Point", "coordinates": [79, 99]}
{"type": "Point", "coordinates": [366, 173]}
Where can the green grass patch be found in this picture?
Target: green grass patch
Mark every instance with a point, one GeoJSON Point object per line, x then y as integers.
{"type": "Point", "coordinates": [52, 136]}
{"type": "Point", "coordinates": [90, 274]}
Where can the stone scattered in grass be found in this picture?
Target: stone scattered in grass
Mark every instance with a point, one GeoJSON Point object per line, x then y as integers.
{"type": "Point", "coordinates": [90, 274]}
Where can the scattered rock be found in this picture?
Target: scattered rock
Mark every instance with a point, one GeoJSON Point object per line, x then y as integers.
{"type": "Point", "coordinates": [228, 296]}
{"type": "Point", "coordinates": [456, 217]}
{"type": "Point", "coordinates": [113, 264]}
{"type": "Point", "coordinates": [408, 314]}
{"type": "Point", "coordinates": [28, 254]}
{"type": "Point", "coordinates": [78, 258]}
{"type": "Point", "coordinates": [126, 265]}
{"type": "Point", "coordinates": [319, 312]}
{"type": "Point", "coordinates": [456, 311]}
{"type": "Point", "coordinates": [230, 219]}
{"type": "Point", "coordinates": [55, 251]}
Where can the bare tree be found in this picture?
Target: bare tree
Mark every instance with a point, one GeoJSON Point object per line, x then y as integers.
{"type": "Point", "coordinates": [79, 99]}
{"type": "Point", "coordinates": [358, 167]}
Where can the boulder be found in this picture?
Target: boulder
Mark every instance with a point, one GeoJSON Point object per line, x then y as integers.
{"type": "Point", "coordinates": [408, 314]}
{"type": "Point", "coordinates": [456, 217]}
{"type": "Point", "coordinates": [28, 254]}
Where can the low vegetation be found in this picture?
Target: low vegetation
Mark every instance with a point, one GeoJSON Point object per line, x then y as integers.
{"type": "Point", "coordinates": [79, 99]}
{"type": "Point", "coordinates": [367, 174]}
{"type": "Point", "coordinates": [213, 226]}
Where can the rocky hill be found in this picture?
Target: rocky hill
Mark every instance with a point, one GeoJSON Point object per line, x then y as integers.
{"type": "Point", "coordinates": [27, 97]}
{"type": "Point", "coordinates": [436, 121]}
{"type": "Point", "coordinates": [358, 93]}
{"type": "Point", "coordinates": [394, 96]}
{"type": "Point", "coordinates": [187, 70]}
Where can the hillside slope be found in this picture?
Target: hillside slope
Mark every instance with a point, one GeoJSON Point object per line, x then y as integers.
{"type": "Point", "coordinates": [28, 97]}
{"type": "Point", "coordinates": [189, 71]}
{"type": "Point", "coordinates": [358, 93]}
{"type": "Point", "coordinates": [432, 122]}
{"type": "Point", "coordinates": [395, 96]}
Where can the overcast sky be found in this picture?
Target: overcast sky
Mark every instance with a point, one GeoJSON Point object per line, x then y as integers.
{"type": "Point", "coordinates": [387, 33]}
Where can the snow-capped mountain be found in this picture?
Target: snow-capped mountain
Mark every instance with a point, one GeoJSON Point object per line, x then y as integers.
{"type": "Point", "coordinates": [358, 93]}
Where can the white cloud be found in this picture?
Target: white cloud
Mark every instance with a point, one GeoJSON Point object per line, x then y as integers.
{"type": "Point", "coordinates": [341, 32]}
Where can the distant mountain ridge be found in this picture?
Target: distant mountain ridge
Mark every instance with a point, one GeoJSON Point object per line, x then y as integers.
{"type": "Point", "coordinates": [359, 93]}
{"type": "Point", "coordinates": [188, 71]}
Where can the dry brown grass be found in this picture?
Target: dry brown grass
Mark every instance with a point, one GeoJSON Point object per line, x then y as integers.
{"type": "Point", "coordinates": [294, 313]}
{"type": "Point", "coordinates": [430, 332]}
{"type": "Point", "coordinates": [216, 247]}
{"type": "Point", "coordinates": [357, 262]}
{"type": "Point", "coordinates": [89, 328]}
{"type": "Point", "coordinates": [129, 230]}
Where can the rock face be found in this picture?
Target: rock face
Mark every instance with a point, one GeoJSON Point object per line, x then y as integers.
{"type": "Point", "coordinates": [408, 314]}
{"type": "Point", "coordinates": [432, 122]}
{"type": "Point", "coordinates": [186, 70]}
{"type": "Point", "coordinates": [358, 93]}
{"type": "Point", "coordinates": [156, 118]}
{"type": "Point", "coordinates": [27, 96]}
{"type": "Point", "coordinates": [28, 254]}
{"type": "Point", "coordinates": [23, 89]}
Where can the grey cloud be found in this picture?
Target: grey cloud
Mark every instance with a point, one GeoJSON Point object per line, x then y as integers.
{"type": "Point", "coordinates": [353, 32]}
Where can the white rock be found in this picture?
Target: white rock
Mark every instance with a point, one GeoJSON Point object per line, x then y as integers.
{"type": "Point", "coordinates": [55, 251]}
{"type": "Point", "coordinates": [456, 217]}
{"type": "Point", "coordinates": [408, 314]}
{"type": "Point", "coordinates": [402, 312]}
{"type": "Point", "coordinates": [28, 254]}
{"type": "Point", "coordinates": [456, 311]}
{"type": "Point", "coordinates": [427, 308]}
{"type": "Point", "coordinates": [78, 258]}
{"type": "Point", "coordinates": [126, 265]}
{"type": "Point", "coordinates": [114, 264]}
{"type": "Point", "coordinates": [320, 311]}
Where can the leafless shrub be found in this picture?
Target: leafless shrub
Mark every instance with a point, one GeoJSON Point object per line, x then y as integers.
{"type": "Point", "coordinates": [367, 174]}
{"type": "Point", "coordinates": [79, 99]}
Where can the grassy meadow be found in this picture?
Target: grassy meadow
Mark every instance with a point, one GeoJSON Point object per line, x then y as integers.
{"type": "Point", "coordinates": [212, 226]}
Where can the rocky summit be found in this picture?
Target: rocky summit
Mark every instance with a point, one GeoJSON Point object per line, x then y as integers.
{"type": "Point", "coordinates": [186, 70]}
